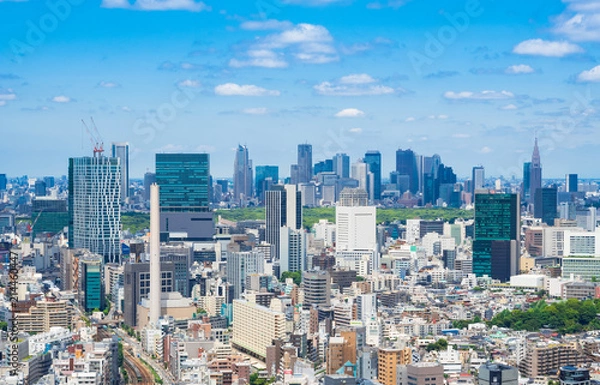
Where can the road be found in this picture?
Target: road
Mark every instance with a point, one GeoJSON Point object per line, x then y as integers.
{"type": "Point", "coordinates": [166, 376]}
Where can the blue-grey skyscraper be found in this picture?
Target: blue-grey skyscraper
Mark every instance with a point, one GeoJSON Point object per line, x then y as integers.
{"type": "Point", "coordinates": [373, 159]}
{"type": "Point", "coordinates": [535, 173]}
{"type": "Point", "coordinates": [242, 176]}
{"type": "Point", "coordinates": [121, 151]}
{"type": "Point", "coordinates": [406, 165]}
{"type": "Point", "coordinates": [304, 163]}
{"type": "Point", "coordinates": [341, 165]}
{"type": "Point", "coordinates": [266, 176]}
{"type": "Point", "coordinates": [545, 205]}
{"type": "Point", "coordinates": [478, 178]}
{"type": "Point", "coordinates": [572, 183]}
{"type": "Point", "coordinates": [526, 182]}
{"type": "Point", "coordinates": [283, 207]}
{"type": "Point", "coordinates": [3, 182]}
{"type": "Point", "coordinates": [94, 205]}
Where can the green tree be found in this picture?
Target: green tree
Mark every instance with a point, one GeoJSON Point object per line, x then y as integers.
{"type": "Point", "coordinates": [295, 275]}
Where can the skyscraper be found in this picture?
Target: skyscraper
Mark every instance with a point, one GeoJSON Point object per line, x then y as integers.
{"type": "Point", "coordinates": [406, 165]}
{"type": "Point", "coordinates": [3, 182]}
{"type": "Point", "coordinates": [304, 163]}
{"type": "Point", "coordinates": [545, 205]}
{"type": "Point", "coordinates": [283, 207]}
{"type": "Point", "coordinates": [355, 222]}
{"type": "Point", "coordinates": [496, 235]}
{"type": "Point", "coordinates": [121, 150]}
{"type": "Point", "coordinates": [535, 173]}
{"type": "Point", "coordinates": [239, 266]}
{"type": "Point", "coordinates": [91, 293]}
{"type": "Point", "coordinates": [94, 205]}
{"type": "Point", "coordinates": [292, 249]}
{"type": "Point", "coordinates": [149, 179]}
{"type": "Point", "coordinates": [266, 176]}
{"type": "Point", "coordinates": [478, 178]}
{"type": "Point", "coordinates": [184, 181]}
{"type": "Point", "coordinates": [572, 183]}
{"type": "Point", "coordinates": [360, 172]}
{"type": "Point", "coordinates": [526, 182]}
{"type": "Point", "coordinates": [341, 165]}
{"type": "Point", "coordinates": [242, 176]}
{"type": "Point", "coordinates": [373, 159]}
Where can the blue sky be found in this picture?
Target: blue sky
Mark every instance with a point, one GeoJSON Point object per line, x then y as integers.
{"type": "Point", "coordinates": [473, 81]}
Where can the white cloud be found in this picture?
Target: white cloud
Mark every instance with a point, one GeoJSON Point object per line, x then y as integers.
{"type": "Point", "coordinates": [232, 89]}
{"type": "Point", "coordinates": [260, 58]}
{"type": "Point", "coordinates": [357, 79]}
{"type": "Point", "coordinates": [255, 111]}
{"type": "Point", "coordinates": [189, 83]}
{"type": "Point", "coordinates": [157, 5]}
{"type": "Point", "coordinates": [356, 130]}
{"type": "Point", "coordinates": [509, 107]}
{"type": "Point", "coordinates": [541, 47]}
{"type": "Point", "coordinates": [410, 119]}
{"type": "Point", "coordinates": [519, 69]}
{"type": "Point", "coordinates": [109, 85]}
{"type": "Point", "coordinates": [350, 113]}
{"type": "Point", "coordinates": [592, 75]}
{"type": "Point", "coordinates": [265, 25]}
{"type": "Point", "coordinates": [483, 95]}
{"type": "Point", "coordinates": [126, 109]}
{"type": "Point", "coordinates": [307, 43]}
{"type": "Point", "coordinates": [61, 99]}
{"type": "Point", "coordinates": [7, 94]}
{"type": "Point", "coordinates": [395, 4]}
{"type": "Point", "coordinates": [580, 21]}
{"type": "Point", "coordinates": [485, 150]}
{"type": "Point", "coordinates": [461, 136]}
{"type": "Point", "coordinates": [353, 85]}
{"type": "Point", "coordinates": [441, 117]}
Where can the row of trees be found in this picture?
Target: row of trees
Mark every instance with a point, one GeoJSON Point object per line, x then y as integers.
{"type": "Point", "coordinates": [570, 316]}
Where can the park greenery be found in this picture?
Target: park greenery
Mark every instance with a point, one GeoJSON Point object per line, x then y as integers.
{"type": "Point", "coordinates": [135, 222]}
{"type": "Point", "coordinates": [570, 316]}
{"type": "Point", "coordinates": [438, 345]}
{"type": "Point", "coordinates": [255, 380]}
{"type": "Point", "coordinates": [295, 275]}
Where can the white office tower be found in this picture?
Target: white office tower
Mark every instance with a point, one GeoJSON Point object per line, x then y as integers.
{"type": "Point", "coordinates": [356, 223]}
{"type": "Point", "coordinates": [155, 286]}
{"type": "Point", "coordinates": [292, 249]}
{"type": "Point", "coordinates": [366, 307]}
{"type": "Point", "coordinates": [283, 207]}
{"type": "Point", "coordinates": [360, 172]}
{"type": "Point", "coordinates": [240, 265]}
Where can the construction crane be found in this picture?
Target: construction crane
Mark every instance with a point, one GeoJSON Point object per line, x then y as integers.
{"type": "Point", "coordinates": [95, 138]}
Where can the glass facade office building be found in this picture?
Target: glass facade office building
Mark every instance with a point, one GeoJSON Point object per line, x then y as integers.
{"type": "Point", "coordinates": [495, 244]}
{"type": "Point", "coordinates": [373, 159]}
{"type": "Point", "coordinates": [184, 181]}
{"type": "Point", "coordinates": [91, 285]}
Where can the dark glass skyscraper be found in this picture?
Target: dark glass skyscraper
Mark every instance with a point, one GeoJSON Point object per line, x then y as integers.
{"type": "Point", "coordinates": [572, 183]}
{"type": "Point", "coordinates": [242, 176]}
{"type": "Point", "coordinates": [266, 176]}
{"type": "Point", "coordinates": [526, 181]}
{"type": "Point", "coordinates": [406, 165]}
{"type": "Point", "coordinates": [496, 235]}
{"type": "Point", "coordinates": [304, 163]}
{"type": "Point", "coordinates": [535, 173]}
{"type": "Point", "coordinates": [184, 182]}
{"type": "Point", "coordinates": [545, 205]}
{"type": "Point", "coordinates": [373, 159]}
{"type": "Point", "coordinates": [3, 182]}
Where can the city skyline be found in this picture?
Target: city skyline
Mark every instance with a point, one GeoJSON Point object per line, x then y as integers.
{"type": "Point", "coordinates": [478, 95]}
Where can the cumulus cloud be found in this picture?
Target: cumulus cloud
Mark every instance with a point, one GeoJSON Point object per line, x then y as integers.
{"type": "Point", "coordinates": [519, 69]}
{"type": "Point", "coordinates": [589, 76]}
{"type": "Point", "coordinates": [265, 25]}
{"type": "Point", "coordinates": [61, 99]}
{"type": "Point", "coordinates": [189, 83]}
{"type": "Point", "coordinates": [410, 119]}
{"type": "Point", "coordinates": [157, 5]}
{"type": "Point", "coordinates": [483, 95]}
{"type": "Point", "coordinates": [350, 113]}
{"type": "Point", "coordinates": [260, 58]}
{"type": "Point", "coordinates": [306, 43]}
{"type": "Point", "coordinates": [353, 85]}
{"type": "Point", "coordinates": [356, 130]}
{"type": "Point", "coordinates": [255, 111]}
{"type": "Point", "coordinates": [232, 89]}
{"type": "Point", "coordinates": [509, 107]}
{"type": "Point", "coordinates": [539, 47]}
{"type": "Point", "coordinates": [485, 150]}
{"type": "Point", "coordinates": [109, 85]}
{"type": "Point", "coordinates": [580, 21]}
{"type": "Point", "coordinates": [7, 94]}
